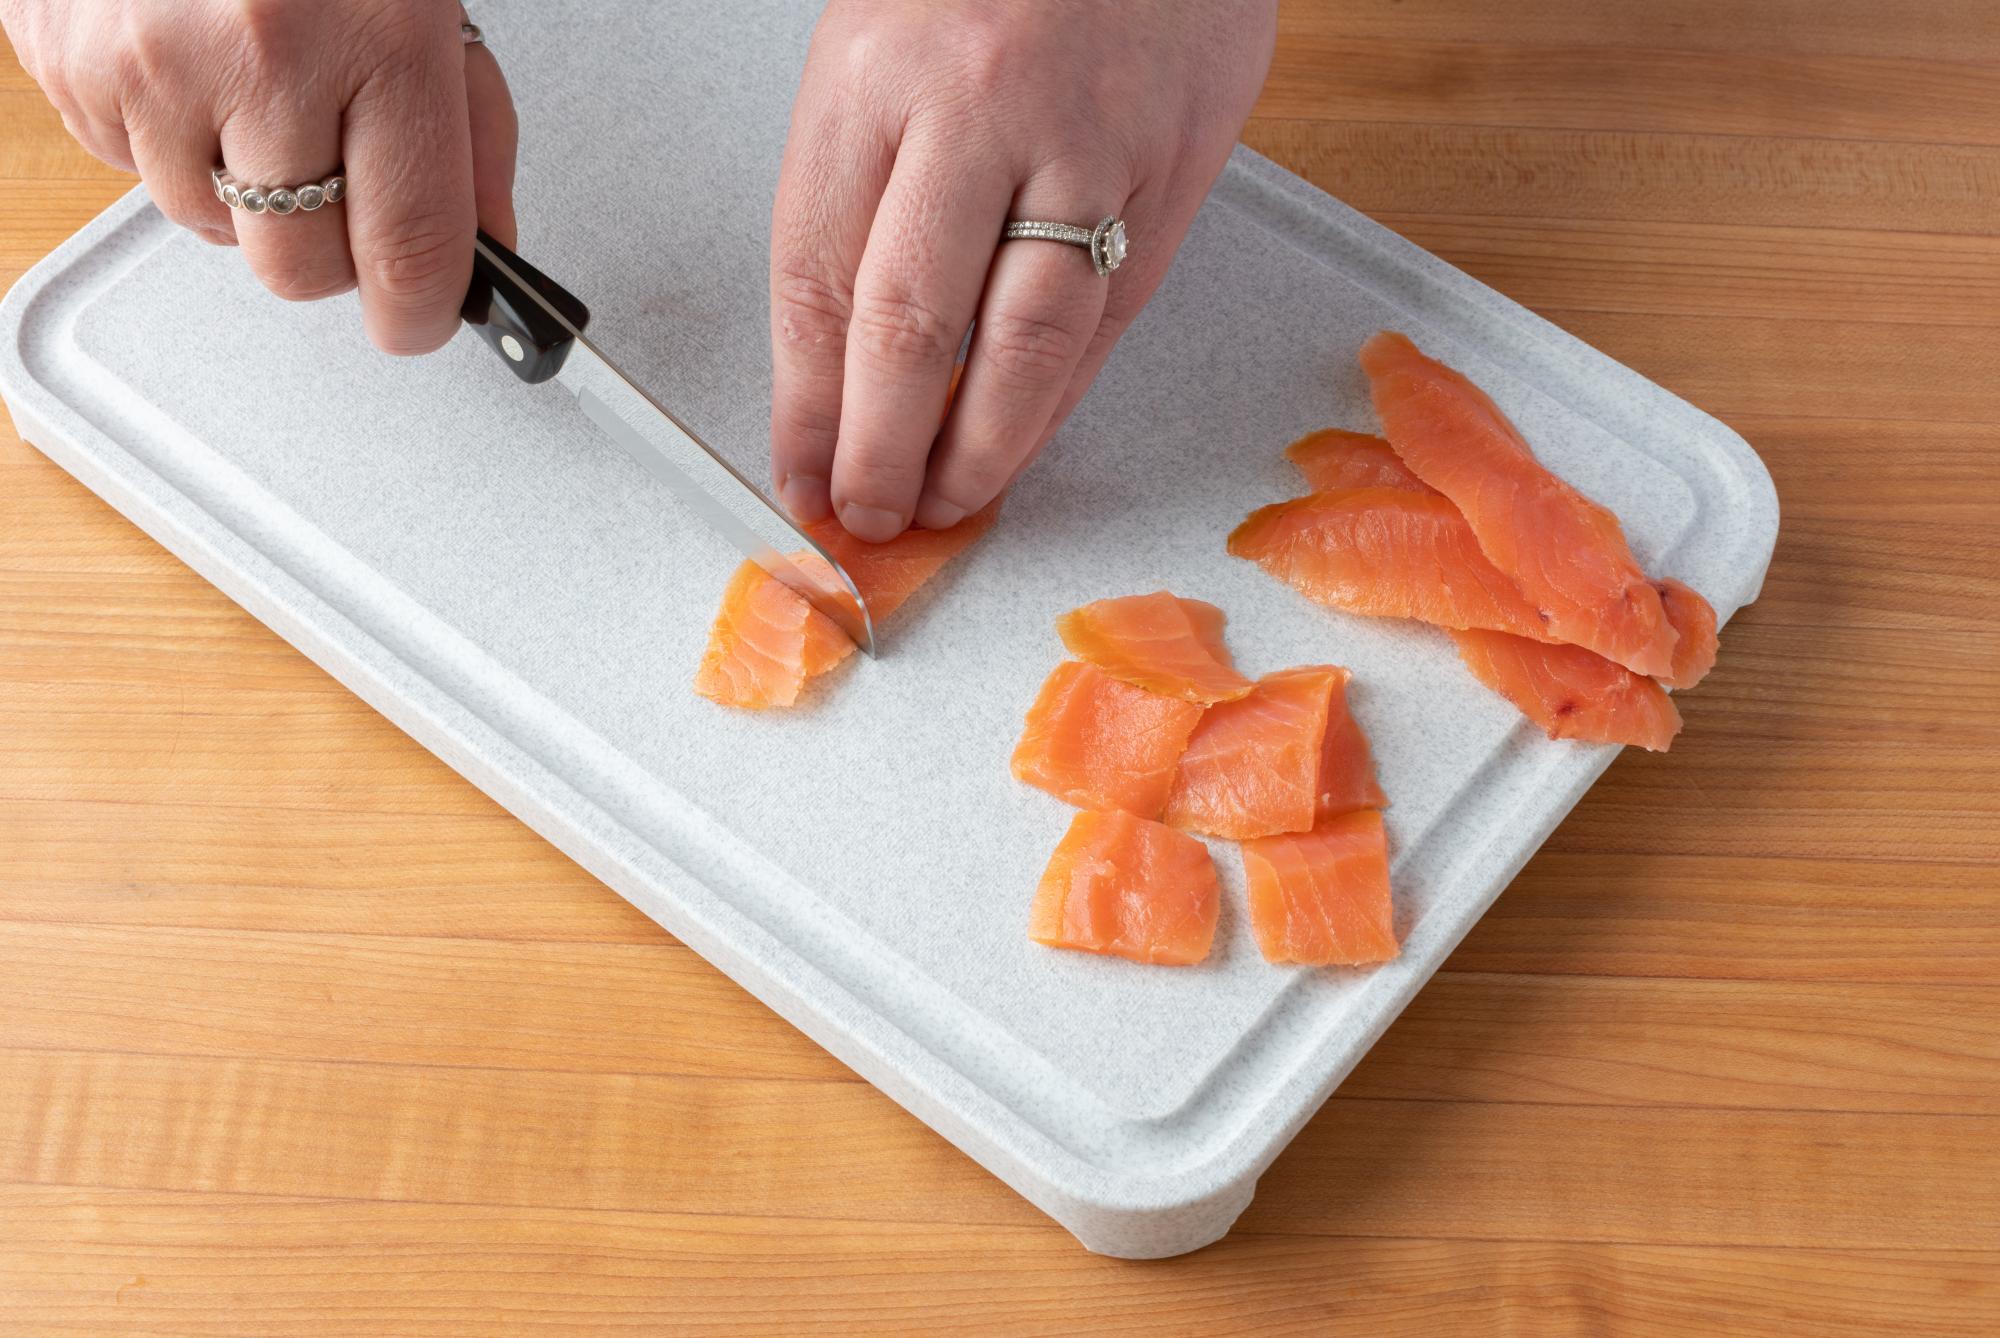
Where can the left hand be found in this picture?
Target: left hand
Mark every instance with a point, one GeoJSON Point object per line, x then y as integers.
{"type": "Point", "coordinates": [921, 127]}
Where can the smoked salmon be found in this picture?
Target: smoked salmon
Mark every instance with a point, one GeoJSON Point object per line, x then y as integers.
{"type": "Point", "coordinates": [1158, 642]}
{"type": "Point", "coordinates": [1566, 554]}
{"type": "Point", "coordinates": [1252, 765]}
{"type": "Point", "coordinates": [1321, 898]}
{"type": "Point", "coordinates": [1572, 693]}
{"type": "Point", "coordinates": [1128, 887]}
{"type": "Point", "coordinates": [1096, 742]}
{"type": "Point", "coordinates": [1334, 460]}
{"type": "Point", "coordinates": [1386, 553]}
{"type": "Point", "coordinates": [767, 642]}
{"type": "Point", "coordinates": [1694, 618]}
{"type": "Point", "coordinates": [1346, 765]}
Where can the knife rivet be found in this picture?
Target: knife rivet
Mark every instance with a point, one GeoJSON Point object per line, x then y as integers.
{"type": "Point", "coordinates": [512, 347]}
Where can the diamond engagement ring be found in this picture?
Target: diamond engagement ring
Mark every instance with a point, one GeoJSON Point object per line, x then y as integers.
{"type": "Point", "coordinates": [277, 199]}
{"type": "Point", "coordinates": [1105, 242]}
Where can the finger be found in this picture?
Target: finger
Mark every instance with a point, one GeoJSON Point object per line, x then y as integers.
{"type": "Point", "coordinates": [278, 145]}
{"type": "Point", "coordinates": [495, 135]}
{"type": "Point", "coordinates": [106, 140]}
{"type": "Point", "coordinates": [1042, 306]}
{"type": "Point", "coordinates": [1155, 223]}
{"type": "Point", "coordinates": [835, 168]}
{"type": "Point", "coordinates": [410, 207]}
{"type": "Point", "coordinates": [176, 159]}
{"type": "Point", "coordinates": [928, 252]}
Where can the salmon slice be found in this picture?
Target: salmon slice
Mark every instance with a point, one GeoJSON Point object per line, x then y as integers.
{"type": "Point", "coordinates": [888, 574]}
{"type": "Point", "coordinates": [1252, 765]}
{"type": "Point", "coordinates": [1386, 553]}
{"type": "Point", "coordinates": [767, 642]}
{"type": "Point", "coordinates": [1334, 460]}
{"type": "Point", "coordinates": [1127, 887]}
{"type": "Point", "coordinates": [1694, 618]}
{"type": "Point", "coordinates": [1566, 553]}
{"type": "Point", "coordinates": [1098, 743]}
{"type": "Point", "coordinates": [1321, 898]}
{"type": "Point", "coordinates": [1570, 692]}
{"type": "Point", "coordinates": [1346, 766]}
{"type": "Point", "coordinates": [1158, 642]}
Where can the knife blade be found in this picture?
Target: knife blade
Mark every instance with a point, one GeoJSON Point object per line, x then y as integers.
{"type": "Point", "coordinates": [537, 328]}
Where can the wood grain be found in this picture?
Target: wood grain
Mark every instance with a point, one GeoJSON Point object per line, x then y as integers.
{"type": "Point", "coordinates": [300, 1034]}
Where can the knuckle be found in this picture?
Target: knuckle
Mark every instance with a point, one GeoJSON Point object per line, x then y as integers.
{"type": "Point", "coordinates": [1031, 348]}
{"type": "Point", "coordinates": [973, 480]}
{"type": "Point", "coordinates": [897, 333]}
{"type": "Point", "coordinates": [810, 310]}
{"type": "Point", "coordinates": [801, 420]}
{"type": "Point", "coordinates": [985, 66]}
{"type": "Point", "coordinates": [875, 474]}
{"type": "Point", "coordinates": [307, 279]}
{"type": "Point", "coordinates": [268, 31]}
{"type": "Point", "coordinates": [421, 258]}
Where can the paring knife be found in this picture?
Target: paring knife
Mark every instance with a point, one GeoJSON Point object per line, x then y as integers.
{"type": "Point", "coordinates": [536, 326]}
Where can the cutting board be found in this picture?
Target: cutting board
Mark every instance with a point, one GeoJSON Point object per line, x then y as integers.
{"type": "Point", "coordinates": [468, 556]}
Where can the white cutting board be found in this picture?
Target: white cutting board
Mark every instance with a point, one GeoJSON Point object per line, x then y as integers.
{"type": "Point", "coordinates": [468, 555]}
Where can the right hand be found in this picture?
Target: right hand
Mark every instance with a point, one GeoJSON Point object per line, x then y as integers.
{"type": "Point", "coordinates": [283, 92]}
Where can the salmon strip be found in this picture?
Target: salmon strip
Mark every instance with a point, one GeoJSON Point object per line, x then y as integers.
{"type": "Point", "coordinates": [1571, 692]}
{"type": "Point", "coordinates": [1252, 766]}
{"type": "Point", "coordinates": [1386, 553]}
{"type": "Point", "coordinates": [767, 642]}
{"type": "Point", "coordinates": [1567, 554]}
{"type": "Point", "coordinates": [888, 574]}
{"type": "Point", "coordinates": [1321, 898]}
{"type": "Point", "coordinates": [1694, 618]}
{"type": "Point", "coordinates": [1158, 642]}
{"type": "Point", "coordinates": [1334, 460]}
{"type": "Point", "coordinates": [1098, 743]}
{"type": "Point", "coordinates": [1346, 765]}
{"type": "Point", "coordinates": [1127, 887]}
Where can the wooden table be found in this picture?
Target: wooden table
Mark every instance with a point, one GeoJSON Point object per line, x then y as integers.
{"type": "Point", "coordinates": [300, 1034]}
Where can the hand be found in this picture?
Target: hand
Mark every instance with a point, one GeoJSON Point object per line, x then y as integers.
{"type": "Point", "coordinates": [921, 127]}
{"type": "Point", "coordinates": [283, 92]}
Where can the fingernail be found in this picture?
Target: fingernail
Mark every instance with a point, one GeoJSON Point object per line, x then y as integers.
{"type": "Point", "coordinates": [934, 513]}
{"type": "Point", "coordinates": [805, 497]}
{"type": "Point", "coordinates": [871, 523]}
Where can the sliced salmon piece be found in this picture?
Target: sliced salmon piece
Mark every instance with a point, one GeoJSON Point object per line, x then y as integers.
{"type": "Point", "coordinates": [767, 642]}
{"type": "Point", "coordinates": [1694, 618]}
{"type": "Point", "coordinates": [1321, 898]}
{"type": "Point", "coordinates": [764, 644]}
{"type": "Point", "coordinates": [1346, 766]}
{"type": "Point", "coordinates": [1252, 765]}
{"type": "Point", "coordinates": [1159, 642]}
{"type": "Point", "coordinates": [1096, 742]}
{"type": "Point", "coordinates": [1570, 692]}
{"type": "Point", "coordinates": [1566, 553]}
{"type": "Point", "coordinates": [1334, 460]}
{"type": "Point", "coordinates": [1127, 887]}
{"type": "Point", "coordinates": [888, 574]}
{"type": "Point", "coordinates": [1386, 553]}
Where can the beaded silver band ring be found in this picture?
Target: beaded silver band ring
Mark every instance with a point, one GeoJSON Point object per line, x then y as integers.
{"type": "Point", "coordinates": [277, 199]}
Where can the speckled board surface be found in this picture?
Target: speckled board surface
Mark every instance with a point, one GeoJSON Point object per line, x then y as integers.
{"type": "Point", "coordinates": [471, 558]}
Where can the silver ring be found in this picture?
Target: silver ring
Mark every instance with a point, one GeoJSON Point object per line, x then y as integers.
{"type": "Point", "coordinates": [469, 34]}
{"type": "Point", "coordinates": [1105, 242]}
{"type": "Point", "coordinates": [277, 199]}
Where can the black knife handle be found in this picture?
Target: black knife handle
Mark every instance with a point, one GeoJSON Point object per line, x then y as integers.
{"type": "Point", "coordinates": [501, 307]}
